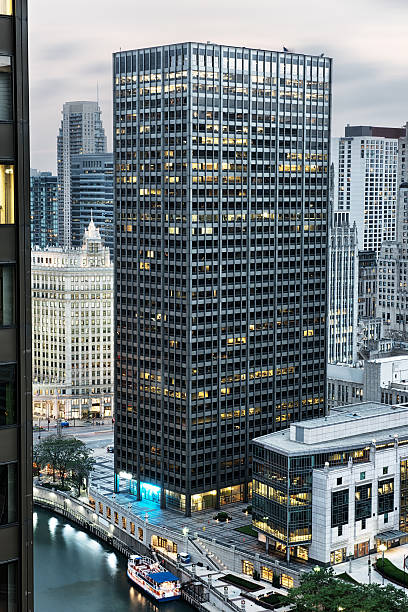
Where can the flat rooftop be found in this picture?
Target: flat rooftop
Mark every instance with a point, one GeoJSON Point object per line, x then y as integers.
{"type": "Point", "coordinates": [374, 131]}
{"type": "Point", "coordinates": [345, 373]}
{"type": "Point", "coordinates": [347, 427]}
{"type": "Point", "coordinates": [403, 357]}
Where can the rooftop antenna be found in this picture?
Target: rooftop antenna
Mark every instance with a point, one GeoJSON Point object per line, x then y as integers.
{"type": "Point", "coordinates": [97, 92]}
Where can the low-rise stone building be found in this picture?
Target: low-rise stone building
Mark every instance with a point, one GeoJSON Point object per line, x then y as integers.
{"type": "Point", "coordinates": [336, 487]}
{"type": "Point", "coordinates": [72, 309]}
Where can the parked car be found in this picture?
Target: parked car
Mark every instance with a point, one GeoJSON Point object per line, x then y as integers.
{"type": "Point", "coordinates": [110, 449]}
{"type": "Point", "coordinates": [184, 558]}
{"type": "Point", "coordinates": [64, 424]}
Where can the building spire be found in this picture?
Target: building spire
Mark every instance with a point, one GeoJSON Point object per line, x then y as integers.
{"type": "Point", "coordinates": [92, 233]}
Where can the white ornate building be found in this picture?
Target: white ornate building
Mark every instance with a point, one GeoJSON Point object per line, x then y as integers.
{"type": "Point", "coordinates": [72, 309]}
{"type": "Point", "coordinates": [343, 290]}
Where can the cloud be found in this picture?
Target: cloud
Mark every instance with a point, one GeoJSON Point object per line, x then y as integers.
{"type": "Point", "coordinates": [97, 68]}
{"type": "Point", "coordinates": [71, 49]}
{"type": "Point", "coordinates": [62, 51]}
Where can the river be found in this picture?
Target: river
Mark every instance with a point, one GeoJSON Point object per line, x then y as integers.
{"type": "Point", "coordinates": [74, 572]}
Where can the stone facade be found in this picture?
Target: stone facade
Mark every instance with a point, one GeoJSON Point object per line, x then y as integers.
{"type": "Point", "coordinates": [72, 307]}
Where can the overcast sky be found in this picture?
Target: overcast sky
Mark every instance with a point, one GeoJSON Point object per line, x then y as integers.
{"type": "Point", "coordinates": [71, 45]}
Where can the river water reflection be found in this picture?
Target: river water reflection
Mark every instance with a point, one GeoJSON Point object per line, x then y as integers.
{"type": "Point", "coordinates": [74, 572]}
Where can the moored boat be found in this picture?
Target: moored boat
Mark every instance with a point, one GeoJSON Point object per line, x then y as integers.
{"type": "Point", "coordinates": [153, 578]}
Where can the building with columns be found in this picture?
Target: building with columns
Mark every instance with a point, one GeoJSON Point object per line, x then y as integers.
{"type": "Point", "coordinates": [72, 309]}
{"type": "Point", "coordinates": [343, 290]}
{"type": "Point", "coordinates": [335, 487]}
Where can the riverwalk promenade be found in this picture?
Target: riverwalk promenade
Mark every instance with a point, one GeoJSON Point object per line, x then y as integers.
{"type": "Point", "coordinates": [221, 542]}
{"type": "Point", "coordinates": [209, 584]}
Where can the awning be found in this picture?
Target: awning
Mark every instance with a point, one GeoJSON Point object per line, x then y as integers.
{"type": "Point", "coordinates": [160, 577]}
{"type": "Point", "coordinates": [392, 534]}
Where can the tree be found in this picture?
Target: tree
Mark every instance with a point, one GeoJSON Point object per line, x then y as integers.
{"type": "Point", "coordinates": [36, 460]}
{"type": "Point", "coordinates": [81, 466]}
{"type": "Point", "coordinates": [47, 453]}
{"type": "Point", "coordinates": [65, 456]}
{"type": "Point", "coordinates": [321, 591]}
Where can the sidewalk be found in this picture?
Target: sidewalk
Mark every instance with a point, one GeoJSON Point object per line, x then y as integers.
{"type": "Point", "coordinates": [200, 522]}
{"type": "Point", "coordinates": [214, 538]}
{"type": "Point", "coordinates": [359, 567]}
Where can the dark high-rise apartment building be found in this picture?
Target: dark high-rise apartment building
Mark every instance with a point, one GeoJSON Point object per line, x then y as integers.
{"type": "Point", "coordinates": [81, 132]}
{"type": "Point", "coordinates": [16, 570]}
{"type": "Point", "coordinates": [222, 157]}
{"type": "Point", "coordinates": [44, 209]}
{"type": "Point", "coordinates": [92, 196]}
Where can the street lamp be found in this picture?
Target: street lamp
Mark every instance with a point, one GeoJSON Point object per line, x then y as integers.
{"type": "Point", "coordinates": [185, 534]}
{"type": "Point", "coordinates": [382, 548]}
{"type": "Point", "coordinates": [369, 564]}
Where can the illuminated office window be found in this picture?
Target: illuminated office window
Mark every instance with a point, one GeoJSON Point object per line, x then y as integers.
{"type": "Point", "coordinates": [6, 193]}
{"type": "Point", "coordinates": [6, 7]}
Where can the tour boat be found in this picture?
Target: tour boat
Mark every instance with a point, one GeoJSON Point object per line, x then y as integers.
{"type": "Point", "coordinates": [153, 578]}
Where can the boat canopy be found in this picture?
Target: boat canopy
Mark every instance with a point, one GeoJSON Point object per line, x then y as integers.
{"type": "Point", "coordinates": [160, 577]}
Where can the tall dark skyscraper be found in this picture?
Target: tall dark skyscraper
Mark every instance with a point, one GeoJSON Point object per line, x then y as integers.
{"type": "Point", "coordinates": [92, 196]}
{"type": "Point", "coordinates": [44, 209]}
{"type": "Point", "coordinates": [16, 569]}
{"type": "Point", "coordinates": [81, 132]}
{"type": "Point", "coordinates": [222, 157]}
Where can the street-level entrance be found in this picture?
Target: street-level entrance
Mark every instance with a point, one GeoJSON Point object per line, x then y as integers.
{"type": "Point", "coordinates": [392, 538]}
{"type": "Point", "coordinates": [361, 549]}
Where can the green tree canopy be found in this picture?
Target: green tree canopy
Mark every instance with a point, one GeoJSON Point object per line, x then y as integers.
{"type": "Point", "coordinates": [321, 591]}
{"type": "Point", "coordinates": [69, 457]}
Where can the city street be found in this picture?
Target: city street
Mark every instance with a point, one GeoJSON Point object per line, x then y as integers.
{"type": "Point", "coordinates": [97, 437]}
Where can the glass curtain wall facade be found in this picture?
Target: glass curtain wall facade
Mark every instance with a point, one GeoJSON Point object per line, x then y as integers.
{"type": "Point", "coordinates": [283, 510]}
{"type": "Point", "coordinates": [404, 495]}
{"type": "Point", "coordinates": [92, 196]}
{"type": "Point", "coordinates": [16, 568]}
{"type": "Point", "coordinates": [44, 209]}
{"type": "Point", "coordinates": [81, 132]}
{"type": "Point", "coordinates": [221, 158]}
